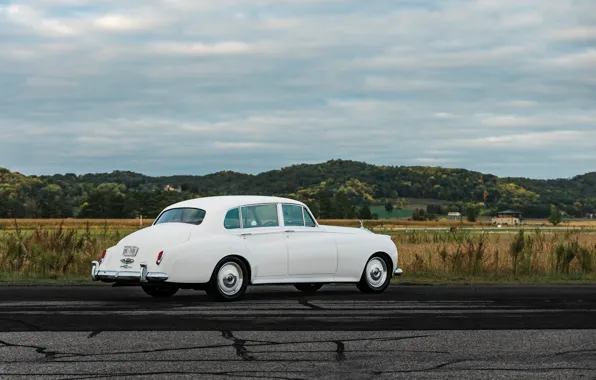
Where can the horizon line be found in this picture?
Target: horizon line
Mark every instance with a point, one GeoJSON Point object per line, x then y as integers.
{"type": "Point", "coordinates": [293, 165]}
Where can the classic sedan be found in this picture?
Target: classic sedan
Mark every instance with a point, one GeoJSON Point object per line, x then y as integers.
{"type": "Point", "coordinates": [223, 244]}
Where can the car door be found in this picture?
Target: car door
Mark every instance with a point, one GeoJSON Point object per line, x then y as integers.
{"type": "Point", "coordinates": [311, 251]}
{"type": "Point", "coordinates": [264, 237]}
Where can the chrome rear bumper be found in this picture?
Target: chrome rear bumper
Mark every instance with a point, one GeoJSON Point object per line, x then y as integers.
{"type": "Point", "coordinates": [114, 276]}
{"type": "Point", "coordinates": [398, 272]}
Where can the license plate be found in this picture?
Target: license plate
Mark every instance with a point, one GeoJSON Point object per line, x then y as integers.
{"type": "Point", "coordinates": [130, 251]}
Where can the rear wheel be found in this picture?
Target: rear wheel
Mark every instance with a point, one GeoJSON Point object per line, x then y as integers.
{"type": "Point", "coordinates": [308, 288]}
{"type": "Point", "coordinates": [228, 281]}
{"type": "Point", "coordinates": [375, 277]}
{"type": "Point", "coordinates": [160, 291]}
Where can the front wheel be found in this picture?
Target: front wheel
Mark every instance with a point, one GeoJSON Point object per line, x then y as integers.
{"type": "Point", "coordinates": [228, 281]}
{"type": "Point", "coordinates": [308, 288]}
{"type": "Point", "coordinates": [375, 277]}
{"type": "Point", "coordinates": [160, 291]}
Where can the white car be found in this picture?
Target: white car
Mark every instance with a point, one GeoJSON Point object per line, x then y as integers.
{"type": "Point", "coordinates": [223, 244]}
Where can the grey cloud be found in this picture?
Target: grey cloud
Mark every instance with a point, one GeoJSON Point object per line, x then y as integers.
{"type": "Point", "coordinates": [177, 86]}
{"type": "Point", "coordinates": [575, 34]}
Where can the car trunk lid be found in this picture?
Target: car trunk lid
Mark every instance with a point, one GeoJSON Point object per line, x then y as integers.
{"type": "Point", "coordinates": [144, 245]}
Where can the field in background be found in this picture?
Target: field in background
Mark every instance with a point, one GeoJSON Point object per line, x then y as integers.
{"type": "Point", "coordinates": [111, 224]}
{"type": "Point", "coordinates": [521, 252]}
{"type": "Point", "coordinates": [9, 224]}
{"type": "Point", "coordinates": [410, 206]}
{"type": "Point", "coordinates": [395, 214]}
{"type": "Point", "coordinates": [55, 249]}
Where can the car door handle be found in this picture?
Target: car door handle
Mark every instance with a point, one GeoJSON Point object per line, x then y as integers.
{"type": "Point", "coordinates": [290, 231]}
{"type": "Point", "coordinates": [246, 234]}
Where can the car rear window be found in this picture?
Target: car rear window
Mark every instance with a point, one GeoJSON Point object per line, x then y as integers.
{"type": "Point", "coordinates": [182, 215]}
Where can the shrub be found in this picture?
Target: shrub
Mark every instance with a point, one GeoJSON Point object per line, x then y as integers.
{"type": "Point", "coordinates": [516, 249]}
{"type": "Point", "coordinates": [586, 259]}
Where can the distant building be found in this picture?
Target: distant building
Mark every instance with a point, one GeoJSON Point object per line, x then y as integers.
{"type": "Point", "coordinates": [454, 215]}
{"type": "Point", "coordinates": [172, 188]}
{"type": "Point", "coordinates": [508, 217]}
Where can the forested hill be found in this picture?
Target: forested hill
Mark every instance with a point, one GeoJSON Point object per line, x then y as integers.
{"type": "Point", "coordinates": [334, 189]}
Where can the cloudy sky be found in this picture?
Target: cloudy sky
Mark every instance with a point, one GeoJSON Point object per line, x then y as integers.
{"type": "Point", "coordinates": [196, 86]}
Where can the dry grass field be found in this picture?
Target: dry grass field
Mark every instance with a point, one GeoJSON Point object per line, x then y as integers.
{"type": "Point", "coordinates": [571, 222]}
{"type": "Point", "coordinates": [476, 253]}
{"type": "Point", "coordinates": [9, 224]}
{"type": "Point", "coordinates": [57, 249]}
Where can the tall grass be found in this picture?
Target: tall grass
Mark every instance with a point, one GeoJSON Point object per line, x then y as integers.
{"type": "Point", "coordinates": [8, 224]}
{"type": "Point", "coordinates": [518, 253]}
{"type": "Point", "coordinates": [93, 224]}
{"type": "Point", "coordinates": [66, 248]}
{"type": "Point", "coordinates": [53, 252]}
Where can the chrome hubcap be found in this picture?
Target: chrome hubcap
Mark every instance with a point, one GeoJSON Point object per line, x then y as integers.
{"type": "Point", "coordinates": [376, 272]}
{"type": "Point", "coordinates": [230, 279]}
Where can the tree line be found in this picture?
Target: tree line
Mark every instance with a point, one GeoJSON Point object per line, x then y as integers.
{"type": "Point", "coordinates": [335, 189]}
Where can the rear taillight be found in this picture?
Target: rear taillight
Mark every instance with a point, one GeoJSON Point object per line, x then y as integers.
{"type": "Point", "coordinates": [103, 255]}
{"type": "Point", "coordinates": [159, 258]}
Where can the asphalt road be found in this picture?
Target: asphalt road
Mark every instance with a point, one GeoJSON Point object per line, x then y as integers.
{"type": "Point", "coordinates": [430, 332]}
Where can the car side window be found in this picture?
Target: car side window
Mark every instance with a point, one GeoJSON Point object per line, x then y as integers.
{"type": "Point", "coordinates": [232, 219]}
{"type": "Point", "coordinates": [259, 216]}
{"type": "Point", "coordinates": [309, 221]}
{"type": "Point", "coordinates": [293, 215]}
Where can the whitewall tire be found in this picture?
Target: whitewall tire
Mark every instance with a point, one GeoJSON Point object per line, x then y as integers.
{"type": "Point", "coordinates": [228, 281]}
{"type": "Point", "coordinates": [376, 275]}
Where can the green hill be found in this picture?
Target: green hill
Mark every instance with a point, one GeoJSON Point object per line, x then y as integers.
{"type": "Point", "coordinates": [334, 189]}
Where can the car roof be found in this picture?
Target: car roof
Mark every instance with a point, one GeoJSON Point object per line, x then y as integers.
{"type": "Point", "coordinates": [227, 202]}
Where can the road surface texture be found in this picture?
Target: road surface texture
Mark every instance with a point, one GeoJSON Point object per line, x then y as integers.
{"type": "Point", "coordinates": [419, 332]}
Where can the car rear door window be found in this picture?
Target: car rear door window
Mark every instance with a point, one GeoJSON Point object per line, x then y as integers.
{"type": "Point", "coordinates": [260, 216]}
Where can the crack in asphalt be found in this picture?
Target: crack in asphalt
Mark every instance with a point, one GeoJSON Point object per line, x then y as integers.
{"type": "Point", "coordinates": [242, 346]}
{"type": "Point", "coordinates": [439, 366]}
{"type": "Point", "coordinates": [586, 351]}
{"type": "Point", "coordinates": [238, 344]}
{"type": "Point", "coordinates": [339, 352]}
{"type": "Point", "coordinates": [242, 374]}
{"type": "Point", "coordinates": [40, 350]}
{"type": "Point", "coordinates": [60, 359]}
{"type": "Point", "coordinates": [246, 373]}
{"type": "Point", "coordinates": [481, 369]}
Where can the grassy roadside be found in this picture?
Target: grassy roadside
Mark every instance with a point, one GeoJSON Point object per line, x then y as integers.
{"type": "Point", "coordinates": [420, 278]}
{"type": "Point", "coordinates": [426, 278]}
{"type": "Point", "coordinates": [7, 278]}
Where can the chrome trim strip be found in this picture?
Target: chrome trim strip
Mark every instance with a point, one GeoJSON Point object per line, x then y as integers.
{"type": "Point", "coordinates": [398, 272]}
